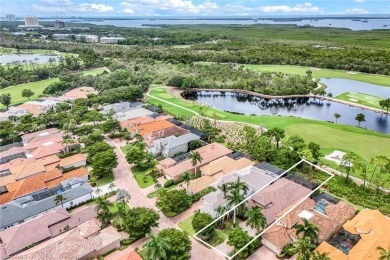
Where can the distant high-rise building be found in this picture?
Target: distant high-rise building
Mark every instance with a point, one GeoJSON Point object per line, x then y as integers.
{"type": "Point", "coordinates": [59, 25]}
{"type": "Point", "coordinates": [31, 21]}
{"type": "Point", "coordinates": [10, 18]}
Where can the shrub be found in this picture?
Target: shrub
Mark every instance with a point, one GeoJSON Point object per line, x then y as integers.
{"type": "Point", "coordinates": [169, 183]}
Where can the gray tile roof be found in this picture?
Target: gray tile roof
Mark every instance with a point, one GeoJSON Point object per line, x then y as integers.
{"type": "Point", "coordinates": [18, 210]}
{"type": "Point", "coordinates": [138, 112]}
{"type": "Point", "coordinates": [121, 107]}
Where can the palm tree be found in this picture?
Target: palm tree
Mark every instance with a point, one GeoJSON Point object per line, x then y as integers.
{"type": "Point", "coordinates": [221, 210]}
{"type": "Point", "coordinates": [360, 118]}
{"type": "Point", "coordinates": [239, 186]}
{"type": "Point", "coordinates": [303, 247]}
{"type": "Point", "coordinates": [156, 248]}
{"type": "Point", "coordinates": [103, 210]}
{"type": "Point", "coordinates": [59, 199]}
{"type": "Point", "coordinates": [233, 199]}
{"type": "Point", "coordinates": [195, 158]}
{"type": "Point", "coordinates": [70, 125]}
{"type": "Point", "coordinates": [120, 213]}
{"type": "Point", "coordinates": [319, 256]}
{"type": "Point", "coordinates": [224, 188]}
{"type": "Point", "coordinates": [256, 219]}
{"type": "Point", "coordinates": [308, 230]}
{"type": "Point", "coordinates": [98, 191]}
{"type": "Point", "coordinates": [122, 196]}
{"type": "Point", "coordinates": [237, 192]}
{"type": "Point", "coordinates": [384, 254]}
{"type": "Point", "coordinates": [186, 177]}
{"type": "Point", "coordinates": [337, 116]}
{"type": "Point", "coordinates": [112, 186]}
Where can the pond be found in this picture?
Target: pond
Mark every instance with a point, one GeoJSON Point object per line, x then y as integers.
{"type": "Point", "coordinates": [302, 107]}
{"type": "Point", "coordinates": [338, 86]}
{"type": "Point", "coordinates": [35, 58]}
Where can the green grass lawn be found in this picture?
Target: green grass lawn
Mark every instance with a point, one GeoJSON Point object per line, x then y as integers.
{"type": "Point", "coordinates": [37, 87]}
{"type": "Point", "coordinates": [361, 98]}
{"type": "Point", "coordinates": [324, 73]}
{"type": "Point", "coordinates": [105, 180]}
{"type": "Point", "coordinates": [125, 148]}
{"type": "Point", "coordinates": [156, 192]}
{"type": "Point", "coordinates": [186, 226]}
{"type": "Point", "coordinates": [142, 177]}
{"type": "Point", "coordinates": [364, 142]}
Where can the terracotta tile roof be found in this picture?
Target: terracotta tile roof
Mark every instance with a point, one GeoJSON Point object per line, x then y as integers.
{"type": "Point", "coordinates": [73, 245]}
{"type": "Point", "coordinates": [216, 169]}
{"type": "Point", "coordinates": [40, 133]}
{"type": "Point", "coordinates": [278, 197]}
{"type": "Point", "coordinates": [32, 167]}
{"type": "Point", "coordinates": [67, 161]}
{"type": "Point", "coordinates": [33, 109]}
{"type": "Point", "coordinates": [208, 153]}
{"type": "Point", "coordinates": [43, 140]}
{"type": "Point", "coordinates": [80, 92]}
{"type": "Point", "coordinates": [14, 162]}
{"type": "Point", "coordinates": [38, 182]}
{"type": "Point", "coordinates": [44, 151]}
{"type": "Point", "coordinates": [283, 231]}
{"type": "Point", "coordinates": [136, 121]}
{"type": "Point", "coordinates": [373, 228]}
{"type": "Point", "coordinates": [151, 127]}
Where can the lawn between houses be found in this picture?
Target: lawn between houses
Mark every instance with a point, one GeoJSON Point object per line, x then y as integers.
{"type": "Point", "coordinates": [363, 142]}
{"type": "Point", "coordinates": [37, 87]}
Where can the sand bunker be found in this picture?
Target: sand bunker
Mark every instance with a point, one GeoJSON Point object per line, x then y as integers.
{"type": "Point", "coordinates": [335, 156]}
{"type": "Point", "coordinates": [353, 100]}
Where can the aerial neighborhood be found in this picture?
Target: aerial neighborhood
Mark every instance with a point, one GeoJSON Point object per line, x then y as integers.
{"type": "Point", "coordinates": [192, 141]}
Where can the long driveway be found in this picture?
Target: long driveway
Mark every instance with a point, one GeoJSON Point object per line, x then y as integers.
{"type": "Point", "coordinates": [124, 180]}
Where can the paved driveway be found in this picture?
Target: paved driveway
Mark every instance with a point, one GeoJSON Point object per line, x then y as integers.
{"type": "Point", "coordinates": [124, 180]}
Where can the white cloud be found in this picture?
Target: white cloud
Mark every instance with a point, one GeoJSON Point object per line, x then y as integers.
{"type": "Point", "coordinates": [356, 11]}
{"type": "Point", "coordinates": [100, 8]}
{"type": "Point", "coordinates": [305, 7]}
{"type": "Point", "coordinates": [167, 7]}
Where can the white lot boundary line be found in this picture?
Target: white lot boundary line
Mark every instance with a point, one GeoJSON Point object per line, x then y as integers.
{"type": "Point", "coordinates": [296, 205]}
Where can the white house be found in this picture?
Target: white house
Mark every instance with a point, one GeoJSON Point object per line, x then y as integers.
{"type": "Point", "coordinates": [172, 145]}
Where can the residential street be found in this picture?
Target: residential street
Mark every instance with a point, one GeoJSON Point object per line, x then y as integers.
{"type": "Point", "coordinates": [125, 180]}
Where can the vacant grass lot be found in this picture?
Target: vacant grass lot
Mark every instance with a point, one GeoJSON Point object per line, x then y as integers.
{"type": "Point", "coordinates": [336, 136]}
{"type": "Point", "coordinates": [324, 73]}
{"type": "Point", "coordinates": [142, 176]}
{"type": "Point", "coordinates": [37, 87]}
{"type": "Point", "coordinates": [361, 98]}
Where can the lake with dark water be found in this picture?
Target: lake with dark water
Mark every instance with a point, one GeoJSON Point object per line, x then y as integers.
{"type": "Point", "coordinates": [316, 109]}
{"type": "Point", "coordinates": [36, 58]}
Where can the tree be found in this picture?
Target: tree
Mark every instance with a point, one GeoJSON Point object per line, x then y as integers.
{"type": "Point", "coordinates": [5, 99]}
{"type": "Point", "coordinates": [308, 230]}
{"type": "Point", "coordinates": [123, 196]}
{"type": "Point", "coordinates": [255, 218]}
{"type": "Point", "coordinates": [179, 243]}
{"type": "Point", "coordinates": [337, 116]}
{"type": "Point", "coordinates": [96, 148]}
{"type": "Point", "coordinates": [27, 93]}
{"type": "Point", "coordinates": [383, 253]}
{"type": "Point", "coordinates": [103, 163]}
{"type": "Point", "coordinates": [360, 118]}
{"type": "Point", "coordinates": [237, 192]}
{"type": "Point", "coordinates": [111, 125]}
{"type": "Point", "coordinates": [120, 214]}
{"type": "Point", "coordinates": [385, 103]}
{"type": "Point", "coordinates": [93, 138]}
{"type": "Point", "coordinates": [103, 210]}
{"type": "Point", "coordinates": [157, 186]}
{"type": "Point", "coordinates": [59, 199]}
{"type": "Point", "coordinates": [156, 248]}
{"type": "Point", "coordinates": [136, 155]}
{"type": "Point", "coordinates": [195, 158]}
{"type": "Point", "coordinates": [187, 176]}
{"type": "Point", "coordinates": [139, 221]}
{"type": "Point", "coordinates": [112, 187]}
{"type": "Point", "coordinates": [321, 256]}
{"type": "Point", "coordinates": [200, 221]}
{"type": "Point", "coordinates": [224, 187]}
{"type": "Point", "coordinates": [238, 238]}
{"type": "Point", "coordinates": [315, 150]}
{"type": "Point", "coordinates": [173, 202]}
{"type": "Point", "coordinates": [93, 116]}
{"type": "Point", "coordinates": [303, 247]}
{"type": "Point", "coordinates": [348, 162]}
{"type": "Point", "coordinates": [277, 134]}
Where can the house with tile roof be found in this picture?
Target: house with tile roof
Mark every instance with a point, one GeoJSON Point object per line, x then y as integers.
{"type": "Point", "coordinates": [275, 198]}
{"type": "Point", "coordinates": [121, 107]}
{"type": "Point", "coordinates": [38, 107]}
{"type": "Point", "coordinates": [14, 112]}
{"type": "Point", "coordinates": [173, 169]}
{"type": "Point", "coordinates": [213, 171]}
{"type": "Point", "coordinates": [254, 178]}
{"type": "Point", "coordinates": [75, 191]}
{"type": "Point", "coordinates": [15, 239]}
{"type": "Point", "coordinates": [328, 217]}
{"type": "Point", "coordinates": [86, 241]}
{"type": "Point", "coordinates": [26, 138]}
{"type": "Point", "coordinates": [360, 237]}
{"type": "Point", "coordinates": [171, 145]}
{"type": "Point", "coordinates": [38, 182]}
{"type": "Point", "coordinates": [11, 154]}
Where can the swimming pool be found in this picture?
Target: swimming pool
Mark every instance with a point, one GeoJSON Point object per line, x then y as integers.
{"type": "Point", "coordinates": [320, 206]}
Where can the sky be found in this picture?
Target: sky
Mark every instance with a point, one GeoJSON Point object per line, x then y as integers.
{"type": "Point", "coordinates": [111, 8]}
